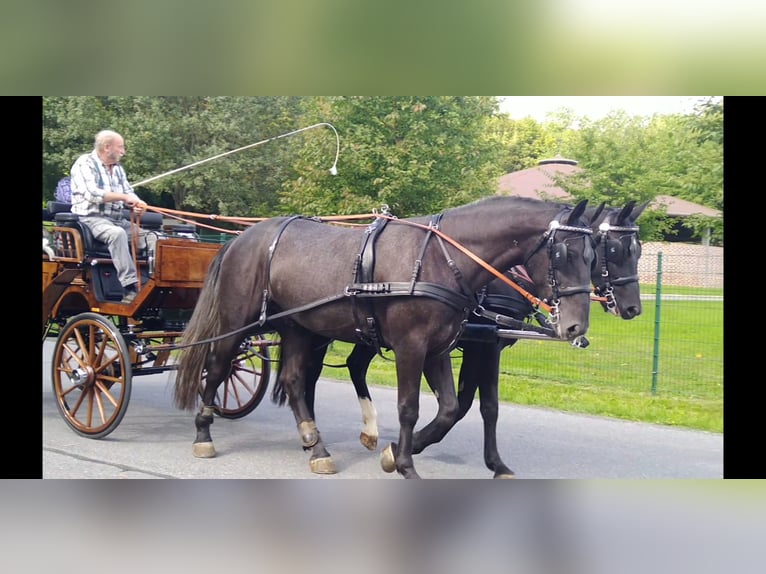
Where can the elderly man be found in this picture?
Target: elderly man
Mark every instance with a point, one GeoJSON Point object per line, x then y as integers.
{"type": "Point", "coordinates": [100, 190]}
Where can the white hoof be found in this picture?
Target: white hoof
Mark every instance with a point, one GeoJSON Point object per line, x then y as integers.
{"type": "Point", "coordinates": [369, 442]}
{"type": "Point", "coordinates": [387, 462]}
{"type": "Point", "coordinates": [203, 450]}
{"type": "Point", "coordinates": [322, 466]}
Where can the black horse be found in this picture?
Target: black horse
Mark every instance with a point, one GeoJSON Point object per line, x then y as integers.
{"type": "Point", "coordinates": [615, 280]}
{"type": "Point", "coordinates": [407, 285]}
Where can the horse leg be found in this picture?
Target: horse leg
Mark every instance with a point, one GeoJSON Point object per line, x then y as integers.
{"type": "Point", "coordinates": [218, 366]}
{"type": "Point", "coordinates": [409, 367]}
{"type": "Point", "coordinates": [438, 371]}
{"type": "Point", "coordinates": [358, 362]}
{"type": "Point", "coordinates": [312, 376]}
{"type": "Point", "coordinates": [298, 362]}
{"type": "Point", "coordinates": [483, 362]}
{"type": "Point", "coordinates": [466, 384]}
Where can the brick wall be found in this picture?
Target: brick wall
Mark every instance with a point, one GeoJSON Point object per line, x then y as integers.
{"type": "Point", "coordinates": [683, 264]}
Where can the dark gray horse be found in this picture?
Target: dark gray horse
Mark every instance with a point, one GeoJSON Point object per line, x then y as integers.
{"type": "Point", "coordinates": [615, 280]}
{"type": "Point", "coordinates": [408, 286]}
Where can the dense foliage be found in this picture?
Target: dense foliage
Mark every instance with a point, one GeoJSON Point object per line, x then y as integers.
{"type": "Point", "coordinates": [416, 154]}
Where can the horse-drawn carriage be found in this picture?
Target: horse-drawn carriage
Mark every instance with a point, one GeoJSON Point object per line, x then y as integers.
{"type": "Point", "coordinates": [102, 344]}
{"type": "Point", "coordinates": [215, 312]}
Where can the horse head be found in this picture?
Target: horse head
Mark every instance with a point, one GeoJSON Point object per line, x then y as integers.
{"type": "Point", "coordinates": [618, 249]}
{"type": "Point", "coordinates": [564, 259]}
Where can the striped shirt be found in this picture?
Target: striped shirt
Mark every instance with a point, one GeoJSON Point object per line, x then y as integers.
{"type": "Point", "coordinates": [90, 180]}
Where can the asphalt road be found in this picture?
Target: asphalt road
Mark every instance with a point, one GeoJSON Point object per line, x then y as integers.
{"type": "Point", "coordinates": [154, 441]}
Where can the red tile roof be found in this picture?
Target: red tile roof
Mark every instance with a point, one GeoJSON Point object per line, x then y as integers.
{"type": "Point", "coordinates": [538, 182]}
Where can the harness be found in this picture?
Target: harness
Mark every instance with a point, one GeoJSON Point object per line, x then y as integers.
{"type": "Point", "coordinates": [465, 300]}
{"type": "Point", "coordinates": [364, 271]}
{"type": "Point", "coordinates": [614, 250]}
{"type": "Point", "coordinates": [500, 308]}
{"type": "Point", "coordinates": [557, 253]}
{"type": "Point", "coordinates": [364, 288]}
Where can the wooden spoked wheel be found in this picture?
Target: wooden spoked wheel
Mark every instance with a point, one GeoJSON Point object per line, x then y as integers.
{"type": "Point", "coordinates": [91, 373]}
{"type": "Point", "coordinates": [248, 380]}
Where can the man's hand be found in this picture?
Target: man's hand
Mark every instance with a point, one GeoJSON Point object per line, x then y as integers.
{"type": "Point", "coordinates": [132, 201]}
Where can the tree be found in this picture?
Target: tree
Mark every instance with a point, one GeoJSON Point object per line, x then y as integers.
{"type": "Point", "coordinates": [164, 134]}
{"type": "Point", "coordinates": [69, 127]}
{"type": "Point", "coordinates": [416, 154]}
{"type": "Point", "coordinates": [522, 142]}
{"type": "Point", "coordinates": [640, 158]}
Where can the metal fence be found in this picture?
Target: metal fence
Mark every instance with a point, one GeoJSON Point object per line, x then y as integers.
{"type": "Point", "coordinates": [674, 348]}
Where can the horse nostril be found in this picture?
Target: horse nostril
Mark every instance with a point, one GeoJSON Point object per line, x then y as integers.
{"type": "Point", "coordinates": [631, 312]}
{"type": "Point", "coordinates": [575, 331]}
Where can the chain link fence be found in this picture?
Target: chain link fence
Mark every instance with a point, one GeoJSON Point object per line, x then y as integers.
{"type": "Point", "coordinates": [674, 348]}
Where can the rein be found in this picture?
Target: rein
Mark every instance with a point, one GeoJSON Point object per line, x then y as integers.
{"type": "Point", "coordinates": [535, 301]}
{"type": "Point", "coordinates": [393, 288]}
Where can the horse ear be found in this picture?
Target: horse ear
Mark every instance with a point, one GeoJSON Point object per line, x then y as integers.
{"type": "Point", "coordinates": [597, 212]}
{"type": "Point", "coordinates": [577, 212]}
{"type": "Point", "coordinates": [639, 210]}
{"type": "Point", "coordinates": [625, 213]}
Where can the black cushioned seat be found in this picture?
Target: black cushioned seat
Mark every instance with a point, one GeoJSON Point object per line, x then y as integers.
{"type": "Point", "coordinates": [64, 217]}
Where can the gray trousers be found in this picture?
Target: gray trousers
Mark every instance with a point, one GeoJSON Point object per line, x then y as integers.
{"type": "Point", "coordinates": [115, 234]}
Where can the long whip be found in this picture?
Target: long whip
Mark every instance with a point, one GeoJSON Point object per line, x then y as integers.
{"type": "Point", "coordinates": [333, 169]}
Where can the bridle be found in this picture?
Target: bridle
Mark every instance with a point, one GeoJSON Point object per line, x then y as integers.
{"type": "Point", "coordinates": [615, 251]}
{"type": "Point", "coordinates": [557, 260]}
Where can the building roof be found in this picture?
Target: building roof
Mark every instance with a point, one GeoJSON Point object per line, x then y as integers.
{"type": "Point", "coordinates": [539, 182]}
{"type": "Point", "coordinates": [681, 207]}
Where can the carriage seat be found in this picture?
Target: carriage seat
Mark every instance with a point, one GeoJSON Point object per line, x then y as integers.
{"type": "Point", "coordinates": [64, 217]}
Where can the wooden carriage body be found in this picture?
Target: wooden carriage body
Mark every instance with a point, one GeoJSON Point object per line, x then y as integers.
{"type": "Point", "coordinates": [101, 343]}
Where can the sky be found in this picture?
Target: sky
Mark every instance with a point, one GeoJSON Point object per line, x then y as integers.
{"type": "Point", "coordinates": [596, 107]}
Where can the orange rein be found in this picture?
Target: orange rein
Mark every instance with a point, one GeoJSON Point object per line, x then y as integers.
{"type": "Point", "coordinates": [194, 218]}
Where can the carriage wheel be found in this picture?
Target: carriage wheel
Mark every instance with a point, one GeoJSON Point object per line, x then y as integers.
{"type": "Point", "coordinates": [91, 375]}
{"type": "Point", "coordinates": [246, 385]}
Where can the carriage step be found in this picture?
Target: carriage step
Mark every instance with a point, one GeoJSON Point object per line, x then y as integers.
{"type": "Point", "coordinates": [517, 334]}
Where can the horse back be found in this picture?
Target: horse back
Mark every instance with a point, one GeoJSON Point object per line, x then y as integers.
{"type": "Point", "coordinates": [305, 264]}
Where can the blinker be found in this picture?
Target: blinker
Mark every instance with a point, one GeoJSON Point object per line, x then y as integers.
{"type": "Point", "coordinates": [626, 246]}
{"type": "Point", "coordinates": [558, 255]}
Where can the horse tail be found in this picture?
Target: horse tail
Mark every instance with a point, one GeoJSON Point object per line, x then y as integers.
{"type": "Point", "coordinates": [204, 324]}
{"type": "Point", "coordinates": [279, 392]}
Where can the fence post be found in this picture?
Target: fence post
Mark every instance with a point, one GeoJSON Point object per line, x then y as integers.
{"type": "Point", "coordinates": [657, 307]}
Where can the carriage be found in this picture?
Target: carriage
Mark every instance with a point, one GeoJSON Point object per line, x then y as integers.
{"type": "Point", "coordinates": [413, 293]}
{"type": "Point", "coordinates": [101, 345]}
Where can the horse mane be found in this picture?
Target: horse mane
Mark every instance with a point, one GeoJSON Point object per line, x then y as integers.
{"type": "Point", "coordinates": [505, 199]}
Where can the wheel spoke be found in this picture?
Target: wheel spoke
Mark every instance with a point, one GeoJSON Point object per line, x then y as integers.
{"type": "Point", "coordinates": [99, 403]}
{"type": "Point", "coordinates": [106, 391]}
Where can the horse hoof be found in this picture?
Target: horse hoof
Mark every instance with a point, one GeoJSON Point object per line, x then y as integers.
{"type": "Point", "coordinates": [502, 476]}
{"type": "Point", "coordinates": [369, 442]}
{"type": "Point", "coordinates": [203, 450]}
{"type": "Point", "coordinates": [387, 462]}
{"type": "Point", "coordinates": [322, 466]}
